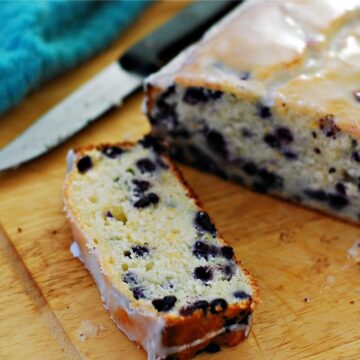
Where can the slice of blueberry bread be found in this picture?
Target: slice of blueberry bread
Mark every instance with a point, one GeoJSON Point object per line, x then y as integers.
{"type": "Point", "coordinates": [270, 97]}
{"type": "Point", "coordinates": [168, 279]}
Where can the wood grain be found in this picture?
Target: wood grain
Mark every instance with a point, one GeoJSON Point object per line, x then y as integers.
{"type": "Point", "coordinates": [310, 288]}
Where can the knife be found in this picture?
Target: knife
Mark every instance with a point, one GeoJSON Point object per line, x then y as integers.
{"type": "Point", "coordinates": [112, 85]}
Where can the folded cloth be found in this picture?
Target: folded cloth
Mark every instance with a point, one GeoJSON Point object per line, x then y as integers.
{"type": "Point", "coordinates": [39, 39]}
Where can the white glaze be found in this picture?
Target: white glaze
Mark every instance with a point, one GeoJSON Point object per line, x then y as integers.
{"type": "Point", "coordinates": [294, 55]}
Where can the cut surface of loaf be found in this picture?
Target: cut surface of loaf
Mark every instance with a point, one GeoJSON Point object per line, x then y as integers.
{"type": "Point", "coordinates": [270, 97]}
{"type": "Point", "coordinates": [168, 279]}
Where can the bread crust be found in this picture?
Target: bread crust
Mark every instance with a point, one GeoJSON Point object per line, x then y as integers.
{"type": "Point", "coordinates": [161, 335]}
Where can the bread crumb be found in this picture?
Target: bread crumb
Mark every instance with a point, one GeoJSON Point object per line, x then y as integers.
{"type": "Point", "coordinates": [88, 329]}
{"type": "Point", "coordinates": [330, 279]}
{"type": "Point", "coordinates": [354, 251]}
{"type": "Point", "coordinates": [306, 299]}
{"type": "Point", "coordinates": [320, 264]}
{"type": "Point", "coordinates": [352, 302]}
{"type": "Point", "coordinates": [286, 236]}
{"type": "Point", "coordinates": [19, 230]}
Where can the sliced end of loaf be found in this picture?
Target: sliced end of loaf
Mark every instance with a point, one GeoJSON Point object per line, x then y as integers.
{"type": "Point", "coordinates": [160, 264]}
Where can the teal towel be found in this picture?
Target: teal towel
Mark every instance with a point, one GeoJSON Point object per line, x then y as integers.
{"type": "Point", "coordinates": [39, 39]}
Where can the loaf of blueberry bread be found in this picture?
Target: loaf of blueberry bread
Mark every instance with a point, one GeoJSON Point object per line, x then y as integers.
{"type": "Point", "coordinates": [270, 97]}
{"type": "Point", "coordinates": [166, 276]}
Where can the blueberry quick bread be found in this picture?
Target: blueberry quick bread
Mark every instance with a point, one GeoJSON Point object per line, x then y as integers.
{"type": "Point", "coordinates": [270, 97]}
{"type": "Point", "coordinates": [168, 279]}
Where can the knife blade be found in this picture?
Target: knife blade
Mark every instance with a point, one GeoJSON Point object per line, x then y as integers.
{"type": "Point", "coordinates": [113, 84]}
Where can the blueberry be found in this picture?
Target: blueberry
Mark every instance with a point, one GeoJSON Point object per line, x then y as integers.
{"type": "Point", "coordinates": [145, 165]}
{"type": "Point", "coordinates": [227, 252]}
{"type": "Point", "coordinates": [328, 126]}
{"type": "Point", "coordinates": [179, 132]}
{"type": "Point", "coordinates": [314, 135]}
{"type": "Point", "coordinates": [245, 75]}
{"type": "Point", "coordinates": [138, 293]}
{"type": "Point", "coordinates": [290, 155]}
{"type": "Point", "coordinates": [216, 142]}
{"type": "Point", "coordinates": [164, 304]}
{"type": "Point", "coordinates": [194, 95]}
{"type": "Point", "coordinates": [250, 168]}
{"type": "Point", "coordinates": [147, 200]}
{"type": "Point", "coordinates": [263, 111]}
{"type": "Point", "coordinates": [270, 179]}
{"type": "Point", "coordinates": [332, 170]}
{"type": "Point", "coordinates": [259, 187]}
{"type": "Point", "coordinates": [215, 94]}
{"type": "Point", "coordinates": [242, 295]}
{"type": "Point", "coordinates": [197, 305]}
{"type": "Point", "coordinates": [319, 195]}
{"type": "Point", "coordinates": [140, 186]}
{"type": "Point", "coordinates": [112, 151]}
{"type": "Point", "coordinates": [212, 348]}
{"type": "Point", "coordinates": [337, 202]}
{"type": "Point", "coordinates": [140, 251]}
{"type": "Point", "coordinates": [203, 250]}
{"type": "Point", "coordinates": [166, 114]}
{"type": "Point", "coordinates": [130, 278]}
{"type": "Point", "coordinates": [272, 141]}
{"type": "Point", "coordinates": [340, 188]}
{"type": "Point", "coordinates": [246, 133]}
{"type": "Point", "coordinates": [203, 222]}
{"type": "Point", "coordinates": [150, 142]}
{"type": "Point", "coordinates": [355, 156]}
{"type": "Point", "coordinates": [109, 214]}
{"type": "Point", "coordinates": [84, 164]}
{"type": "Point", "coordinates": [317, 151]}
{"type": "Point", "coordinates": [203, 273]}
{"type": "Point", "coordinates": [201, 305]}
{"type": "Point", "coordinates": [284, 135]}
{"type": "Point", "coordinates": [169, 91]}
{"type": "Point", "coordinates": [228, 271]}
{"type": "Point", "coordinates": [218, 305]}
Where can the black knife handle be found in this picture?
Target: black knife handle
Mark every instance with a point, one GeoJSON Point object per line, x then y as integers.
{"type": "Point", "coordinates": [151, 53]}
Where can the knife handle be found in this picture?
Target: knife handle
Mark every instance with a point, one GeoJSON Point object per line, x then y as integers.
{"type": "Point", "coordinates": [151, 53]}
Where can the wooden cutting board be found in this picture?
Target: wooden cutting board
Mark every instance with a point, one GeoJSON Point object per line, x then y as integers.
{"type": "Point", "coordinates": [310, 286]}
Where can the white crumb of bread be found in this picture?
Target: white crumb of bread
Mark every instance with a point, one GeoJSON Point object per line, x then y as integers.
{"type": "Point", "coordinates": [87, 329]}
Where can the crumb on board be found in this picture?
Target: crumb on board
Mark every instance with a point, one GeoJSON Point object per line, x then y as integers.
{"type": "Point", "coordinates": [352, 302]}
{"type": "Point", "coordinates": [306, 299]}
{"type": "Point", "coordinates": [54, 232]}
{"type": "Point", "coordinates": [330, 279]}
{"type": "Point", "coordinates": [88, 329]}
{"type": "Point", "coordinates": [328, 239]}
{"type": "Point", "coordinates": [286, 236]}
{"type": "Point", "coordinates": [354, 251]}
{"type": "Point", "coordinates": [19, 229]}
{"type": "Point", "coordinates": [320, 264]}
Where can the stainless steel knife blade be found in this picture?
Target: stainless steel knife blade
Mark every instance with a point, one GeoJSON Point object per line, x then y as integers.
{"type": "Point", "coordinates": [107, 89]}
